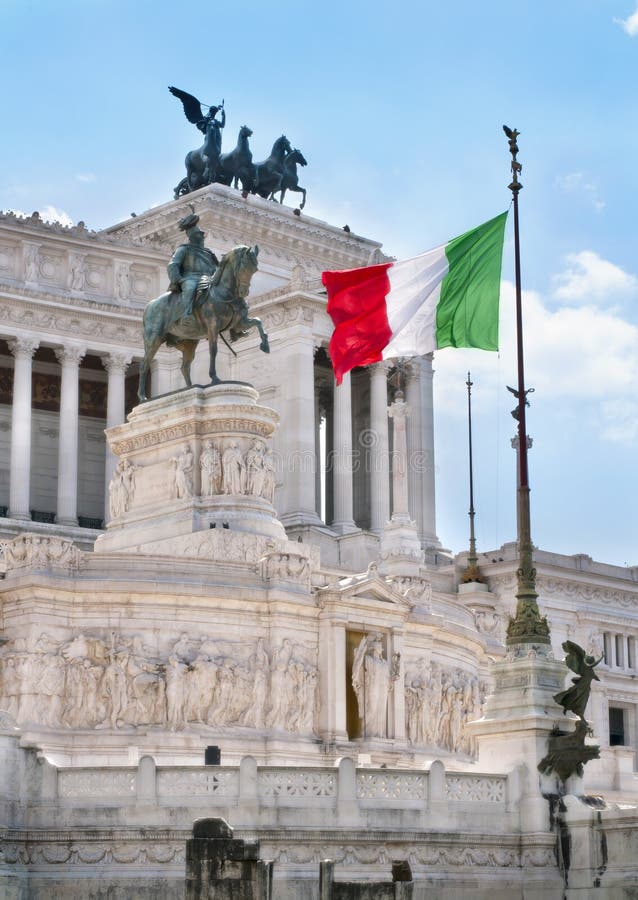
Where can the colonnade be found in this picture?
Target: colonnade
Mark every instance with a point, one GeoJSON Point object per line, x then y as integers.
{"type": "Point", "coordinates": [356, 452]}
{"type": "Point", "coordinates": [357, 446]}
{"type": "Point", "coordinates": [69, 356]}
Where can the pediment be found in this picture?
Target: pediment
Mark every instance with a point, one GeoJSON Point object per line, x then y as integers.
{"type": "Point", "coordinates": [366, 588]}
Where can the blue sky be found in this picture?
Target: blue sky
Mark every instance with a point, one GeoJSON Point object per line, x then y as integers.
{"type": "Point", "coordinates": [398, 108]}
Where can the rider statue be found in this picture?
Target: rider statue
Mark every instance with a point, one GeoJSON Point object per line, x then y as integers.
{"type": "Point", "coordinates": [210, 119]}
{"type": "Point", "coordinates": [189, 262]}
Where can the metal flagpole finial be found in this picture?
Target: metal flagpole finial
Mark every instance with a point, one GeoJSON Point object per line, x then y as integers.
{"type": "Point", "coordinates": [527, 626]}
{"type": "Point", "coordinates": [512, 135]}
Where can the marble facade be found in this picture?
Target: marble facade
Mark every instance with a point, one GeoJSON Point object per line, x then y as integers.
{"type": "Point", "coordinates": [269, 581]}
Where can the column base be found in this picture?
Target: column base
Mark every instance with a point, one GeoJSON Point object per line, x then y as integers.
{"type": "Point", "coordinates": [344, 527]}
{"type": "Point", "coordinates": [66, 520]}
{"type": "Point", "coordinates": [301, 519]}
{"type": "Point", "coordinates": [18, 516]}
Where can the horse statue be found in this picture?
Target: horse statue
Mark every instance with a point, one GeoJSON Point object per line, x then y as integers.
{"type": "Point", "coordinates": [220, 306]}
{"type": "Point", "coordinates": [238, 164]}
{"type": "Point", "coordinates": [201, 164]}
{"type": "Point", "coordinates": [268, 174]}
{"type": "Point", "coordinates": [290, 179]}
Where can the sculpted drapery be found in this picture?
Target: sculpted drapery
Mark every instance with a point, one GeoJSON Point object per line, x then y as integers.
{"type": "Point", "coordinates": [371, 683]}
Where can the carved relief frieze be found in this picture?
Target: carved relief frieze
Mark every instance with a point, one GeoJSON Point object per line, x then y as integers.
{"type": "Point", "coordinates": [69, 322]}
{"type": "Point", "coordinates": [95, 849]}
{"type": "Point", "coordinates": [122, 488]}
{"type": "Point", "coordinates": [97, 276]}
{"type": "Point", "coordinates": [51, 267]}
{"type": "Point", "coordinates": [33, 551]}
{"type": "Point", "coordinates": [416, 590]}
{"type": "Point", "coordinates": [8, 258]}
{"type": "Point", "coordinates": [122, 282]}
{"type": "Point", "coordinates": [286, 567]}
{"type": "Point", "coordinates": [565, 589]}
{"type": "Point", "coordinates": [439, 701]}
{"type": "Point", "coordinates": [144, 282]}
{"type": "Point", "coordinates": [489, 621]}
{"type": "Point", "coordinates": [428, 854]}
{"type": "Point", "coordinates": [95, 681]}
{"type": "Point", "coordinates": [590, 593]}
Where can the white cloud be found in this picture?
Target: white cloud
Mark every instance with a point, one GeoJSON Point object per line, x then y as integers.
{"type": "Point", "coordinates": [51, 214]}
{"type": "Point", "coordinates": [48, 214]}
{"type": "Point", "coordinates": [583, 355]}
{"type": "Point", "coordinates": [578, 183]}
{"type": "Point", "coordinates": [590, 278]}
{"type": "Point", "coordinates": [85, 177]}
{"type": "Point", "coordinates": [630, 24]}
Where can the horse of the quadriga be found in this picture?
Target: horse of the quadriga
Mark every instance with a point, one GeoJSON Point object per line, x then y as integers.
{"type": "Point", "coordinates": [268, 174]}
{"type": "Point", "coordinates": [220, 306]}
{"type": "Point", "coordinates": [238, 164]}
{"type": "Point", "coordinates": [290, 179]}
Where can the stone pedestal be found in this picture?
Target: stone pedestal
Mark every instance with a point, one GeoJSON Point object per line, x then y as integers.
{"type": "Point", "coordinates": [191, 461]}
{"type": "Point", "coordinates": [400, 548]}
{"type": "Point", "coordinates": [520, 714]}
{"type": "Point", "coordinates": [489, 621]}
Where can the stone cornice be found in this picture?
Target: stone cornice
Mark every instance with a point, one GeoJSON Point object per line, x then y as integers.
{"type": "Point", "coordinates": [11, 287]}
{"type": "Point", "coordinates": [97, 324]}
{"type": "Point", "coordinates": [560, 587]}
{"type": "Point", "coordinates": [37, 230]}
{"type": "Point", "coordinates": [227, 217]}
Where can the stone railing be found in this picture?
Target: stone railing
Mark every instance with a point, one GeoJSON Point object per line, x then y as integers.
{"type": "Point", "coordinates": [251, 793]}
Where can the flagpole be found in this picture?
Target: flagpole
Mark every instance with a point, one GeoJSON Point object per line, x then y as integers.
{"type": "Point", "coordinates": [527, 626]}
{"type": "Point", "coordinates": [471, 572]}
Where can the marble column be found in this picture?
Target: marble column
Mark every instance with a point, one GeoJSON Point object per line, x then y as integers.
{"type": "Point", "coordinates": [69, 358]}
{"type": "Point", "coordinates": [413, 377]}
{"type": "Point", "coordinates": [294, 358]}
{"type": "Point", "coordinates": [161, 376]}
{"type": "Point", "coordinates": [332, 679]}
{"type": "Point", "coordinates": [400, 413]}
{"type": "Point", "coordinates": [115, 365]}
{"type": "Point", "coordinates": [342, 458]}
{"type": "Point", "coordinates": [317, 451]}
{"type": "Point", "coordinates": [22, 349]}
{"type": "Point", "coordinates": [427, 531]}
{"type": "Point", "coordinates": [379, 455]}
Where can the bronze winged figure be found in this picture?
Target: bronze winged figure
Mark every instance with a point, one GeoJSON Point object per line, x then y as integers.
{"type": "Point", "coordinates": [575, 698]}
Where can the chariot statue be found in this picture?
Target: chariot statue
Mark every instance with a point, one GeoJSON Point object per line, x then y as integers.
{"type": "Point", "coordinates": [207, 164]}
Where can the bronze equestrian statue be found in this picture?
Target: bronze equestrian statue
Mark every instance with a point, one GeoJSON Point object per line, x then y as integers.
{"type": "Point", "coordinates": [206, 299]}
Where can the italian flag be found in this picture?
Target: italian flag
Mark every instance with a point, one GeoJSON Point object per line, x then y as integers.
{"type": "Point", "coordinates": [446, 297]}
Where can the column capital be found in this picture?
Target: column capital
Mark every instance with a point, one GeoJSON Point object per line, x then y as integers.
{"type": "Point", "coordinates": [70, 354]}
{"type": "Point", "coordinates": [398, 409]}
{"type": "Point", "coordinates": [413, 370]}
{"type": "Point", "coordinates": [116, 362]}
{"type": "Point", "coordinates": [381, 368]}
{"type": "Point", "coordinates": [24, 345]}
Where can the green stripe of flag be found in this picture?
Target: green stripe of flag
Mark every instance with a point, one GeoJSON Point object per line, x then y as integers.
{"type": "Point", "coordinates": [467, 311]}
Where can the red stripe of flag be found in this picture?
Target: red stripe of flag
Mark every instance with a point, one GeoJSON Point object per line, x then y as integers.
{"type": "Point", "coordinates": [356, 304]}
